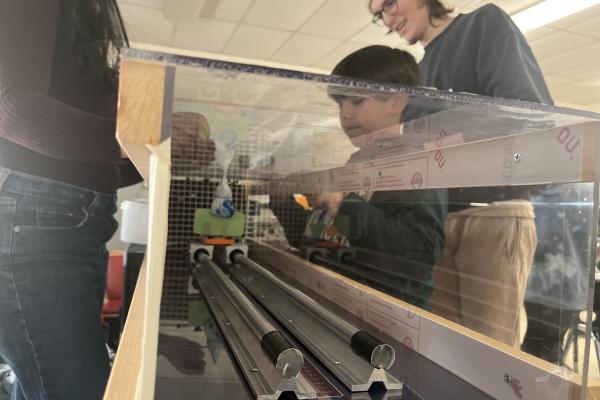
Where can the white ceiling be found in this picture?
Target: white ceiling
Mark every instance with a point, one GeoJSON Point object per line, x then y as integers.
{"type": "Point", "coordinates": [316, 34]}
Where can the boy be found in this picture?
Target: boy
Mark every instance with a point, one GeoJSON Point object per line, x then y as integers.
{"type": "Point", "coordinates": [400, 232]}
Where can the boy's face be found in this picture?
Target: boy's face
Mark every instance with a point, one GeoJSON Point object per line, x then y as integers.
{"type": "Point", "coordinates": [407, 18]}
{"type": "Point", "coordinates": [361, 115]}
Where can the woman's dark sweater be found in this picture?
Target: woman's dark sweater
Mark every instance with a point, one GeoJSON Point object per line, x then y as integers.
{"type": "Point", "coordinates": [56, 121]}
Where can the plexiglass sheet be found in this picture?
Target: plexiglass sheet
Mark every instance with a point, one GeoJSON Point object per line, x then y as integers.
{"type": "Point", "coordinates": [481, 211]}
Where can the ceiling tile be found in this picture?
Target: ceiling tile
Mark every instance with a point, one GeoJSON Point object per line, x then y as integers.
{"type": "Point", "coordinates": [577, 93]}
{"type": "Point", "coordinates": [588, 28]}
{"type": "Point", "coordinates": [509, 6]}
{"type": "Point", "coordinates": [556, 83]}
{"type": "Point", "coordinates": [204, 34]}
{"type": "Point", "coordinates": [585, 72]}
{"type": "Point", "coordinates": [514, 6]}
{"type": "Point", "coordinates": [459, 5]}
{"type": "Point", "coordinates": [332, 29]}
{"type": "Point", "coordinates": [147, 25]}
{"type": "Point", "coordinates": [578, 18]}
{"type": "Point", "coordinates": [567, 91]}
{"type": "Point", "coordinates": [373, 34]}
{"type": "Point", "coordinates": [255, 42]}
{"type": "Point", "coordinates": [227, 10]}
{"type": "Point", "coordinates": [538, 34]}
{"type": "Point", "coordinates": [183, 10]}
{"type": "Point", "coordinates": [145, 3]}
{"type": "Point", "coordinates": [268, 13]}
{"type": "Point", "coordinates": [583, 55]}
{"type": "Point", "coordinates": [304, 49]}
{"type": "Point", "coordinates": [335, 56]}
{"type": "Point", "coordinates": [353, 15]}
{"type": "Point", "coordinates": [558, 42]}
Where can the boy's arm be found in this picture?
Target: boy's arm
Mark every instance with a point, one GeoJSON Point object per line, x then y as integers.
{"type": "Point", "coordinates": [411, 228]}
{"type": "Point", "coordinates": [292, 217]}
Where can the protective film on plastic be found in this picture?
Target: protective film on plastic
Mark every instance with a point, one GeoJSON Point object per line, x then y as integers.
{"type": "Point", "coordinates": [477, 209]}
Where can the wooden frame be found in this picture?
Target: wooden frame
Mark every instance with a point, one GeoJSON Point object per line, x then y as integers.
{"type": "Point", "coordinates": [145, 99]}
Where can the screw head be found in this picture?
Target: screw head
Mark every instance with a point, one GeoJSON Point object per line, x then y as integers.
{"type": "Point", "coordinates": [517, 157]}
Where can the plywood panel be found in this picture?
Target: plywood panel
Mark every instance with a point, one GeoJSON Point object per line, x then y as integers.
{"type": "Point", "coordinates": [145, 103]}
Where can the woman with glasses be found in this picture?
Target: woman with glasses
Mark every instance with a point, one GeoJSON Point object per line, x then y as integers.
{"type": "Point", "coordinates": [60, 166]}
{"type": "Point", "coordinates": [482, 52]}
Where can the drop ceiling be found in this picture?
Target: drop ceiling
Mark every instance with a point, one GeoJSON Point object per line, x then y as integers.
{"type": "Point", "coordinates": [315, 34]}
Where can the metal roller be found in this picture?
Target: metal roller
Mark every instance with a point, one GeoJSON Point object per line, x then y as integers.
{"type": "Point", "coordinates": [285, 358]}
{"type": "Point", "coordinates": [377, 353]}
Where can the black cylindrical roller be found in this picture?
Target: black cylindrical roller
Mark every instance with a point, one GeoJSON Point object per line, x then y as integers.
{"type": "Point", "coordinates": [379, 354]}
{"type": "Point", "coordinates": [287, 359]}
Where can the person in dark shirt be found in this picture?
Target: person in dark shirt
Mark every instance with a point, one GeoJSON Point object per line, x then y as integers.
{"type": "Point", "coordinates": [482, 52]}
{"type": "Point", "coordinates": [60, 166]}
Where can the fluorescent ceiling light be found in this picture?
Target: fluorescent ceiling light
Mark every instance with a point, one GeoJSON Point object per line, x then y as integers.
{"type": "Point", "coordinates": [548, 11]}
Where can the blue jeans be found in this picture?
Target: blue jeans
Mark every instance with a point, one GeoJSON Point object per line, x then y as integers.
{"type": "Point", "coordinates": [52, 278]}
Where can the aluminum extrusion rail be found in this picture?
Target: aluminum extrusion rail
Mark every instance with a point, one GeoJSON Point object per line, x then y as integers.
{"type": "Point", "coordinates": [287, 359]}
{"type": "Point", "coordinates": [377, 353]}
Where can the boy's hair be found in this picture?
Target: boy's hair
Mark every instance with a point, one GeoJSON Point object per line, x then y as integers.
{"type": "Point", "coordinates": [437, 10]}
{"type": "Point", "coordinates": [381, 64]}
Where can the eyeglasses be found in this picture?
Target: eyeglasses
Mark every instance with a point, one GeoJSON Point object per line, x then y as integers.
{"type": "Point", "coordinates": [389, 7]}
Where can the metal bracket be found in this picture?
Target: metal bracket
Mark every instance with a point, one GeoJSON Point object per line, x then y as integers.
{"type": "Point", "coordinates": [343, 252]}
{"type": "Point", "coordinates": [198, 248]}
{"type": "Point", "coordinates": [223, 253]}
{"type": "Point", "coordinates": [308, 252]}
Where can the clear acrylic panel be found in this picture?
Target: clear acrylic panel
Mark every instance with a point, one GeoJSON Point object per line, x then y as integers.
{"type": "Point", "coordinates": [477, 210]}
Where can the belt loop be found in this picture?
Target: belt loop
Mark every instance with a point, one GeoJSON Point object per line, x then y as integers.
{"type": "Point", "coordinates": [95, 201]}
{"type": "Point", "coordinates": [4, 173]}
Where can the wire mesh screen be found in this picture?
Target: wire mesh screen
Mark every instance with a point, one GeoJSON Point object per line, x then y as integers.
{"type": "Point", "coordinates": [192, 151]}
{"type": "Point", "coordinates": [186, 195]}
{"type": "Point", "coordinates": [195, 175]}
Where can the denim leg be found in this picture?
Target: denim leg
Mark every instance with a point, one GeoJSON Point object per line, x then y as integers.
{"type": "Point", "coordinates": [52, 275]}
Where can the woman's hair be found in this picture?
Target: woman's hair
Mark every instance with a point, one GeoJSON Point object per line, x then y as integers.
{"type": "Point", "coordinates": [381, 64]}
{"type": "Point", "coordinates": [437, 10]}
{"type": "Point", "coordinates": [97, 34]}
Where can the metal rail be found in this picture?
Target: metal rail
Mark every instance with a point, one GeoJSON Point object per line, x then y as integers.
{"type": "Point", "coordinates": [377, 353]}
{"type": "Point", "coordinates": [287, 359]}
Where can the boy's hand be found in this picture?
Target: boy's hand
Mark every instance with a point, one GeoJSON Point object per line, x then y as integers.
{"type": "Point", "coordinates": [329, 201]}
